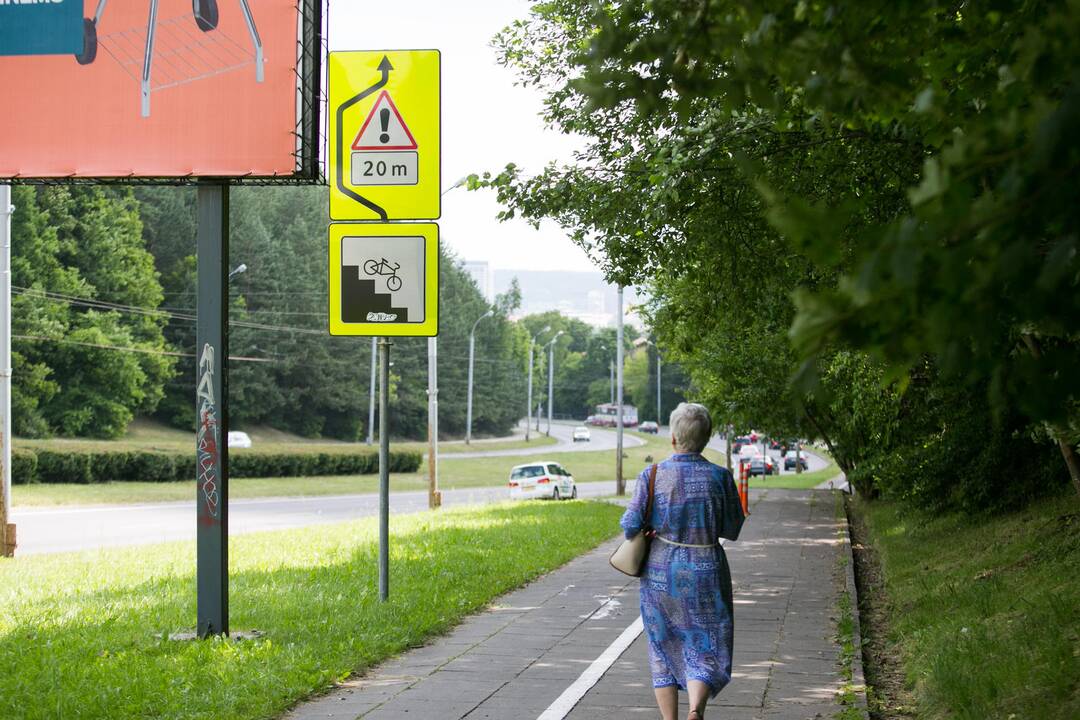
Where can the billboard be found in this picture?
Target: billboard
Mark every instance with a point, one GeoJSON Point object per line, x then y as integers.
{"type": "Point", "coordinates": [160, 89]}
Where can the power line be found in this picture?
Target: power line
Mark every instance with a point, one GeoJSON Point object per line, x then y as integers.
{"type": "Point", "coordinates": [123, 348]}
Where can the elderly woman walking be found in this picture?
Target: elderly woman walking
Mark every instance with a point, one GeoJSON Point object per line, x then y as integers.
{"type": "Point", "coordinates": [686, 597]}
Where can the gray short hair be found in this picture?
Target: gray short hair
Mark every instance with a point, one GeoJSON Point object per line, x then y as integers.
{"type": "Point", "coordinates": [691, 427]}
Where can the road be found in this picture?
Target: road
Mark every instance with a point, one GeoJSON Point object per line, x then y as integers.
{"type": "Point", "coordinates": [563, 432]}
{"type": "Point", "coordinates": [53, 530]}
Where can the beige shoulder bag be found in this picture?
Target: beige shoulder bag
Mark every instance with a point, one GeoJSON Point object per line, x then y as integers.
{"type": "Point", "coordinates": [629, 557]}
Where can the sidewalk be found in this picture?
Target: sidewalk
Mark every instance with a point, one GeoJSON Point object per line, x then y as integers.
{"type": "Point", "coordinates": [570, 644]}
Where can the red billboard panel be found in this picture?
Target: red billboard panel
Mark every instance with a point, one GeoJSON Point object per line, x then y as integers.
{"type": "Point", "coordinates": [157, 88]}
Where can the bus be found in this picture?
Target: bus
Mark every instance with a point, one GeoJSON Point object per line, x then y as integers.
{"type": "Point", "coordinates": [607, 415]}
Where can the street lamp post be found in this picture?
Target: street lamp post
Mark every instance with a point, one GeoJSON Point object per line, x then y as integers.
{"type": "Point", "coordinates": [659, 413]}
{"type": "Point", "coordinates": [528, 406]}
{"type": "Point", "coordinates": [472, 346]}
{"type": "Point", "coordinates": [551, 377]}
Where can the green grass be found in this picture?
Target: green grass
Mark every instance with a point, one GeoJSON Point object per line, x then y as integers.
{"type": "Point", "coordinates": [985, 613]}
{"type": "Point", "coordinates": [150, 435]}
{"type": "Point", "coordinates": [454, 473]}
{"type": "Point", "coordinates": [84, 635]}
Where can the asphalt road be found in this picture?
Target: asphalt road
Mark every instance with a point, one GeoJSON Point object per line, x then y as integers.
{"type": "Point", "coordinates": [600, 439]}
{"type": "Point", "coordinates": [53, 530]}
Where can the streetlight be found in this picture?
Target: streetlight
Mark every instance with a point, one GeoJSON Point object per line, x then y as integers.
{"type": "Point", "coordinates": [528, 409]}
{"type": "Point", "coordinates": [659, 415]}
{"type": "Point", "coordinates": [434, 496]}
{"type": "Point", "coordinates": [551, 377]}
{"type": "Point", "coordinates": [238, 270]}
{"type": "Point", "coordinates": [472, 346]}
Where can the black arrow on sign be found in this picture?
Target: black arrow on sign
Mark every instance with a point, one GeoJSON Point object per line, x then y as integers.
{"type": "Point", "coordinates": [384, 67]}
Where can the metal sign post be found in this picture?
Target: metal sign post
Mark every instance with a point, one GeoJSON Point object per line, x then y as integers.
{"type": "Point", "coordinates": [384, 468]}
{"type": "Point", "coordinates": [211, 445]}
{"type": "Point", "coordinates": [620, 483]}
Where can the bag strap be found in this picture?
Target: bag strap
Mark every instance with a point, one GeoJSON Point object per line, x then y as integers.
{"type": "Point", "coordinates": [652, 487]}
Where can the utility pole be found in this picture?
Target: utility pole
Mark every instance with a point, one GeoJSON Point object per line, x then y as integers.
{"type": "Point", "coordinates": [551, 378]}
{"type": "Point", "coordinates": [7, 530]}
{"type": "Point", "coordinates": [727, 445]}
{"type": "Point", "coordinates": [528, 404]}
{"type": "Point", "coordinates": [611, 366]}
{"type": "Point", "coordinates": [620, 484]}
{"type": "Point", "coordinates": [659, 412]}
{"type": "Point", "coordinates": [434, 496]}
{"type": "Point", "coordinates": [371, 395]}
{"type": "Point", "coordinates": [468, 402]}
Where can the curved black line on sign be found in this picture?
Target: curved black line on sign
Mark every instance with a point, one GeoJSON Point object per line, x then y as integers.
{"type": "Point", "coordinates": [384, 67]}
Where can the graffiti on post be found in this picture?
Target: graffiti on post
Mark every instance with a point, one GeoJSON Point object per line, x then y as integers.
{"type": "Point", "coordinates": [208, 436]}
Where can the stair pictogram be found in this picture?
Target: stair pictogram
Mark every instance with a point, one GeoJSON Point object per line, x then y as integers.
{"type": "Point", "coordinates": [359, 299]}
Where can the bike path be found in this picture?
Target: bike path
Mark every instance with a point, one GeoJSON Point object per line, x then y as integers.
{"type": "Point", "coordinates": [570, 645]}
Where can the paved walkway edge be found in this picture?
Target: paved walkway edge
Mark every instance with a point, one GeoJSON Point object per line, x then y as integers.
{"type": "Point", "coordinates": [858, 679]}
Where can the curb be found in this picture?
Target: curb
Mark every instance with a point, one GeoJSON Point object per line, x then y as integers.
{"type": "Point", "coordinates": [858, 679]}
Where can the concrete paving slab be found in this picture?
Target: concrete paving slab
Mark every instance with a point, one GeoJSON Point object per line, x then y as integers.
{"type": "Point", "coordinates": [516, 659]}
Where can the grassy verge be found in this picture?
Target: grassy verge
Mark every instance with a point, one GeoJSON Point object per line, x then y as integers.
{"type": "Point", "coordinates": [83, 635]}
{"type": "Point", "coordinates": [454, 473]}
{"type": "Point", "coordinates": [145, 434]}
{"type": "Point", "coordinates": [983, 616]}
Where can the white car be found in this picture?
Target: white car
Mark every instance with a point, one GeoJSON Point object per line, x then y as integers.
{"type": "Point", "coordinates": [238, 439]}
{"type": "Point", "coordinates": [581, 433]}
{"type": "Point", "coordinates": [544, 479]}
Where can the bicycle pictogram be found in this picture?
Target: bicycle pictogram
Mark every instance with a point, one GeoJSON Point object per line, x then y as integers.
{"type": "Point", "coordinates": [387, 269]}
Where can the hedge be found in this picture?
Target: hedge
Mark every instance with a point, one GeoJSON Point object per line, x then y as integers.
{"type": "Point", "coordinates": [52, 466]}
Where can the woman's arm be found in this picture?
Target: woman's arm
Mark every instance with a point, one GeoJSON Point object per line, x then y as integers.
{"type": "Point", "coordinates": [730, 516]}
{"type": "Point", "coordinates": [633, 519]}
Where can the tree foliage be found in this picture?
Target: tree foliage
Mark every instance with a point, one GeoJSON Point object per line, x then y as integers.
{"type": "Point", "coordinates": [78, 262]}
{"type": "Point", "coordinates": [799, 182]}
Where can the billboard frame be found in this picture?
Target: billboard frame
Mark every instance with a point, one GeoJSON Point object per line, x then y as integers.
{"type": "Point", "coordinates": [310, 52]}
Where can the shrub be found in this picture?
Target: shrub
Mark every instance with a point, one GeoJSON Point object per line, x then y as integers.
{"type": "Point", "coordinates": [76, 466]}
{"type": "Point", "coordinates": [23, 466]}
{"type": "Point", "coordinates": [64, 467]}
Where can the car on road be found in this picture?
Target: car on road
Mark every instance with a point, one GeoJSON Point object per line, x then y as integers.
{"type": "Point", "coordinates": [239, 439]}
{"type": "Point", "coordinates": [763, 465]}
{"type": "Point", "coordinates": [739, 443]}
{"type": "Point", "coordinates": [649, 427]}
{"type": "Point", "coordinates": [543, 479]}
{"type": "Point", "coordinates": [581, 434]}
{"type": "Point", "coordinates": [789, 459]}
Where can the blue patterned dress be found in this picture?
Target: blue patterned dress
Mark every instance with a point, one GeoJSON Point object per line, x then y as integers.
{"type": "Point", "coordinates": [686, 597]}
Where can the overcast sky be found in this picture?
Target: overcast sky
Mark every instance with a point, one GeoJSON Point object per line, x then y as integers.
{"type": "Point", "coordinates": [486, 120]}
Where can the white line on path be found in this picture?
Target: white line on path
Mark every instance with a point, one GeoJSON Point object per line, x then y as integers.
{"type": "Point", "coordinates": [566, 702]}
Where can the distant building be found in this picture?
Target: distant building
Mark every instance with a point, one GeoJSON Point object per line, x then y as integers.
{"type": "Point", "coordinates": [480, 272]}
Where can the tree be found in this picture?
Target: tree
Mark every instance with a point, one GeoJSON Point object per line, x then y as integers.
{"type": "Point", "coordinates": [740, 157]}
{"type": "Point", "coordinates": [88, 337]}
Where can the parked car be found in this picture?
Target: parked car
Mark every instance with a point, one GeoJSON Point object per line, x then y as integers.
{"type": "Point", "coordinates": [649, 427]}
{"type": "Point", "coordinates": [763, 465]}
{"type": "Point", "coordinates": [789, 459]}
{"type": "Point", "coordinates": [238, 439]}
{"type": "Point", "coordinates": [544, 479]}
{"type": "Point", "coordinates": [581, 433]}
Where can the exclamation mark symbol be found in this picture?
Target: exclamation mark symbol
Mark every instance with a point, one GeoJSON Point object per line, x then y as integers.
{"type": "Point", "coordinates": [384, 121]}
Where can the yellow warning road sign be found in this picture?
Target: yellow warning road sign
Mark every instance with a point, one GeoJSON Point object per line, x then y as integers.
{"type": "Point", "coordinates": [384, 279]}
{"type": "Point", "coordinates": [384, 109]}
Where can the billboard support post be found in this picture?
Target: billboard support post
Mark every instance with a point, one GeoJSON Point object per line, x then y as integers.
{"type": "Point", "coordinates": [7, 532]}
{"type": "Point", "coordinates": [384, 468]}
{"type": "Point", "coordinates": [212, 411]}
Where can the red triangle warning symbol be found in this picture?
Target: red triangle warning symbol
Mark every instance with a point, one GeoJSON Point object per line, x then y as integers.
{"type": "Point", "coordinates": [384, 128]}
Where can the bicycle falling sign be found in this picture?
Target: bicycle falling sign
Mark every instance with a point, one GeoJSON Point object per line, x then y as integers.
{"type": "Point", "coordinates": [384, 135]}
{"type": "Point", "coordinates": [384, 279]}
